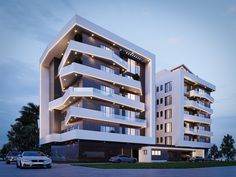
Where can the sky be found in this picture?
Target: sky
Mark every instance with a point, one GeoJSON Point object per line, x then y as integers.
{"type": "Point", "coordinates": [200, 34]}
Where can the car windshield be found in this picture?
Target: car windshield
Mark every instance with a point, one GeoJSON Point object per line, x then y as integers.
{"type": "Point", "coordinates": [33, 153]}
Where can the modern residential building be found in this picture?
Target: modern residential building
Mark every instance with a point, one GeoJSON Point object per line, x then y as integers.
{"type": "Point", "coordinates": [183, 115]}
{"type": "Point", "coordinates": [100, 97]}
{"type": "Point", "coordinates": [97, 94]}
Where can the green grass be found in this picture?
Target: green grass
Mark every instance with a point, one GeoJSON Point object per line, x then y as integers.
{"type": "Point", "coordinates": [164, 165]}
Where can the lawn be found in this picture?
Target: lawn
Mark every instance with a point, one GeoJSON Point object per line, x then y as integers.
{"type": "Point", "coordinates": [164, 165]}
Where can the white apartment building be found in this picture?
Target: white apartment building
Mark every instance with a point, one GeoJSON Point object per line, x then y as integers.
{"type": "Point", "coordinates": [100, 97]}
{"type": "Point", "coordinates": [97, 94]}
{"type": "Point", "coordinates": [183, 116]}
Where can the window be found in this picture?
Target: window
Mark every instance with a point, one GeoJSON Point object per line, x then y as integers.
{"type": "Point", "coordinates": [168, 140]}
{"type": "Point", "coordinates": [157, 127]}
{"type": "Point", "coordinates": [161, 126]}
{"type": "Point", "coordinates": [161, 140]}
{"type": "Point", "coordinates": [107, 129]}
{"type": "Point", "coordinates": [133, 97]}
{"type": "Point", "coordinates": [168, 127]}
{"type": "Point", "coordinates": [107, 90]}
{"type": "Point", "coordinates": [168, 113]}
{"type": "Point", "coordinates": [161, 87]}
{"type": "Point", "coordinates": [168, 87]}
{"type": "Point", "coordinates": [132, 131]}
{"type": "Point", "coordinates": [157, 89]}
{"type": "Point", "coordinates": [107, 110]}
{"type": "Point", "coordinates": [168, 100]}
{"type": "Point", "coordinates": [133, 67]}
{"type": "Point", "coordinates": [161, 113]}
{"type": "Point", "coordinates": [157, 114]}
{"type": "Point", "coordinates": [157, 101]}
{"type": "Point", "coordinates": [156, 152]}
{"type": "Point", "coordinates": [161, 101]}
{"type": "Point", "coordinates": [145, 151]}
{"type": "Point", "coordinates": [157, 140]}
{"type": "Point", "coordinates": [107, 69]}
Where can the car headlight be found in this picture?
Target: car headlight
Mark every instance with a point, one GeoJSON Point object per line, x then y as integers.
{"type": "Point", "coordinates": [48, 161]}
{"type": "Point", "coordinates": [26, 161]}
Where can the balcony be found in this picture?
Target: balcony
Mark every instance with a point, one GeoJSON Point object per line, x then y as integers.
{"type": "Point", "coordinates": [196, 118]}
{"type": "Point", "coordinates": [77, 133]}
{"type": "Point", "coordinates": [100, 53]}
{"type": "Point", "coordinates": [196, 144]}
{"type": "Point", "coordinates": [72, 93]}
{"type": "Point", "coordinates": [195, 93]}
{"type": "Point", "coordinates": [195, 131]}
{"type": "Point", "coordinates": [80, 69]}
{"type": "Point", "coordinates": [195, 105]}
{"type": "Point", "coordinates": [84, 113]}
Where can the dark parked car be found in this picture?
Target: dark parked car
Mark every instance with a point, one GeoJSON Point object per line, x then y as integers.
{"type": "Point", "coordinates": [122, 158]}
{"type": "Point", "coordinates": [11, 156]}
{"type": "Point", "coordinates": [196, 159]}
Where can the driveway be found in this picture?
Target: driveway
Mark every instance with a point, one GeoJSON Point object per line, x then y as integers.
{"type": "Point", "coordinates": [66, 170]}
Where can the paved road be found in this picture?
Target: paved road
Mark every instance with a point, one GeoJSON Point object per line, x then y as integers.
{"type": "Point", "coordinates": [66, 170]}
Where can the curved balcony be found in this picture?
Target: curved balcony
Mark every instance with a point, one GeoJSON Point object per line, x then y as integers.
{"type": "Point", "coordinates": [196, 131]}
{"type": "Point", "coordinates": [101, 53]}
{"type": "Point", "coordinates": [79, 69]}
{"type": "Point", "coordinates": [78, 112]}
{"type": "Point", "coordinates": [195, 105]}
{"type": "Point", "coordinates": [196, 144]}
{"type": "Point", "coordinates": [72, 93]}
{"type": "Point", "coordinates": [195, 93]}
{"type": "Point", "coordinates": [195, 118]}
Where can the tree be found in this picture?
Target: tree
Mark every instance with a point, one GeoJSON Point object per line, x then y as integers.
{"type": "Point", "coordinates": [214, 152]}
{"type": "Point", "coordinates": [227, 147]}
{"type": "Point", "coordinates": [24, 134]}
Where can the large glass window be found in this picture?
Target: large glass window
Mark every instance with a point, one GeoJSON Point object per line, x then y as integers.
{"type": "Point", "coordinates": [168, 113]}
{"type": "Point", "coordinates": [133, 97]}
{"type": "Point", "coordinates": [133, 67]}
{"type": "Point", "coordinates": [168, 127]}
{"type": "Point", "coordinates": [107, 90]}
{"type": "Point", "coordinates": [168, 87]}
{"type": "Point", "coordinates": [107, 129]}
{"type": "Point", "coordinates": [107, 110]}
{"type": "Point", "coordinates": [107, 69]}
{"type": "Point", "coordinates": [168, 100]}
{"type": "Point", "coordinates": [168, 140]}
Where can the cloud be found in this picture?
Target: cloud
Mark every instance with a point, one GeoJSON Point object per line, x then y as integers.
{"type": "Point", "coordinates": [231, 9]}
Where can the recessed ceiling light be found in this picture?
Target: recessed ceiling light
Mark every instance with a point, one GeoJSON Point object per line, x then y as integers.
{"type": "Point", "coordinates": [91, 97]}
{"type": "Point", "coordinates": [62, 54]}
{"type": "Point", "coordinates": [122, 87]}
{"type": "Point", "coordinates": [64, 79]}
{"type": "Point", "coordinates": [75, 53]}
{"type": "Point", "coordinates": [113, 44]}
{"type": "Point", "coordinates": [75, 30]}
{"type": "Point", "coordinates": [92, 56]}
{"type": "Point", "coordinates": [114, 64]}
{"type": "Point", "coordinates": [92, 35]}
{"type": "Point", "coordinates": [76, 74]}
{"type": "Point", "coordinates": [73, 97]}
{"type": "Point", "coordinates": [68, 62]}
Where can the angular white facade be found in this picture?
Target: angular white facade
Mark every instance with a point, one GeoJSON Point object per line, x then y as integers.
{"type": "Point", "coordinates": [96, 86]}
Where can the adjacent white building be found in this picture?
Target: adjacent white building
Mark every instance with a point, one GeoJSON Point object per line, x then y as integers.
{"type": "Point", "coordinates": [100, 96]}
{"type": "Point", "coordinates": [183, 115]}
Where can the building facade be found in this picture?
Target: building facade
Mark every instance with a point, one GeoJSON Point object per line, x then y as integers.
{"type": "Point", "coordinates": [99, 97]}
{"type": "Point", "coordinates": [183, 115]}
{"type": "Point", "coordinates": [97, 94]}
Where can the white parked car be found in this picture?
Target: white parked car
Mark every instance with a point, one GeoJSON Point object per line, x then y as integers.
{"type": "Point", "coordinates": [33, 159]}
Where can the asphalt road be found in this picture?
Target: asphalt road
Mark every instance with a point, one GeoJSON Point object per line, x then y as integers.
{"type": "Point", "coordinates": [66, 170]}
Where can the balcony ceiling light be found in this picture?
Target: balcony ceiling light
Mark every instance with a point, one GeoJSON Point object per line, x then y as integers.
{"type": "Point", "coordinates": [113, 44]}
{"type": "Point", "coordinates": [122, 87]}
{"type": "Point", "coordinates": [64, 79]}
{"type": "Point", "coordinates": [62, 54]}
{"type": "Point", "coordinates": [68, 62]}
{"type": "Point", "coordinates": [92, 56]}
{"type": "Point", "coordinates": [91, 98]}
{"type": "Point", "coordinates": [75, 30]}
{"type": "Point", "coordinates": [76, 74]}
{"type": "Point", "coordinates": [114, 83]}
{"type": "Point", "coordinates": [114, 64]}
{"type": "Point", "coordinates": [92, 35]}
{"type": "Point", "coordinates": [68, 42]}
{"type": "Point", "coordinates": [74, 98]}
{"type": "Point", "coordinates": [75, 53]}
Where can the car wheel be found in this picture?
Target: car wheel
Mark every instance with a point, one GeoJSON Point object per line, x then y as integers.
{"type": "Point", "coordinates": [21, 166]}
